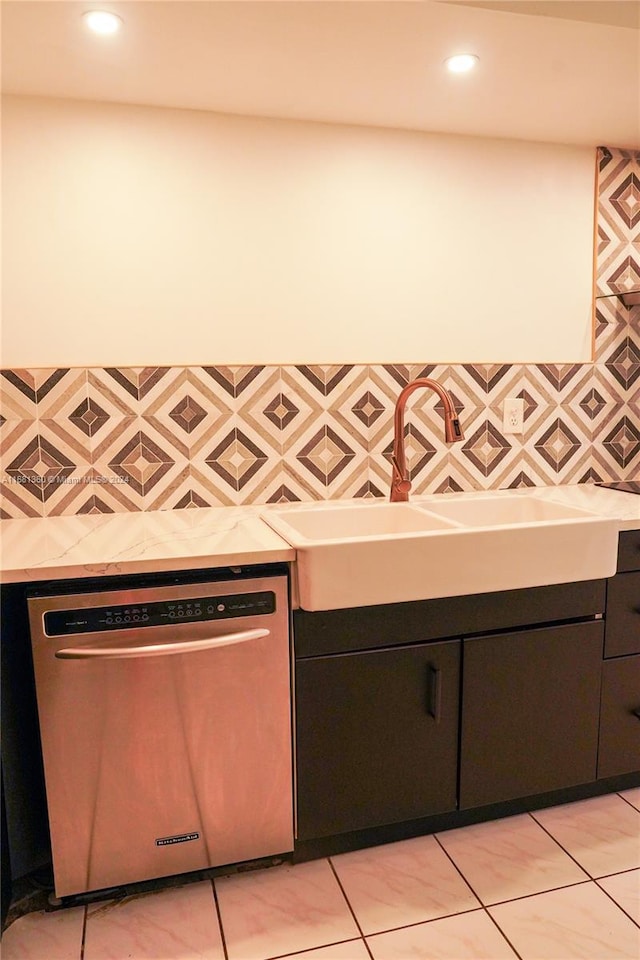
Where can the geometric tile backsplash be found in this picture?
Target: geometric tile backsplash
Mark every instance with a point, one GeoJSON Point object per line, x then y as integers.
{"type": "Point", "coordinates": [128, 439]}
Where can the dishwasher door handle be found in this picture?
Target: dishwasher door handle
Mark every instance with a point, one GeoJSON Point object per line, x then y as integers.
{"type": "Point", "coordinates": [160, 649]}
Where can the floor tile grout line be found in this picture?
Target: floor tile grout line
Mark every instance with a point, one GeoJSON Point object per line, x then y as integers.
{"type": "Point", "coordinates": [632, 805]}
{"type": "Point", "coordinates": [219, 915]}
{"type": "Point", "coordinates": [351, 910]}
{"type": "Point", "coordinates": [556, 841]}
{"type": "Point", "coordinates": [84, 932]}
{"type": "Point", "coordinates": [420, 923]}
{"type": "Point", "coordinates": [618, 905]}
{"type": "Point", "coordinates": [482, 905]}
{"type": "Point", "coordinates": [323, 946]}
{"type": "Point", "coordinates": [502, 932]}
{"type": "Point", "coordinates": [485, 907]}
{"type": "Point", "coordinates": [540, 893]}
{"type": "Point", "coordinates": [562, 886]}
{"type": "Point", "coordinates": [618, 873]}
{"type": "Point", "coordinates": [456, 867]}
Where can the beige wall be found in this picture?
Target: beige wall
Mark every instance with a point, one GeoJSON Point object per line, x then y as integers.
{"type": "Point", "coordinates": [142, 236]}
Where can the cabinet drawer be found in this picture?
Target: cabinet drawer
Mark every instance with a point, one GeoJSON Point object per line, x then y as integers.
{"type": "Point", "coordinates": [620, 718]}
{"type": "Point", "coordinates": [622, 630]}
{"type": "Point", "coordinates": [629, 550]}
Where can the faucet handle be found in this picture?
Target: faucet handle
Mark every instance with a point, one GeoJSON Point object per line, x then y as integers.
{"type": "Point", "coordinates": [452, 430]}
{"type": "Point", "coordinates": [400, 485]}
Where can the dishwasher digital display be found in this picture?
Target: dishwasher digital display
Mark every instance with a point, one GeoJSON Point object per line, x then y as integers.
{"type": "Point", "coordinates": [61, 623]}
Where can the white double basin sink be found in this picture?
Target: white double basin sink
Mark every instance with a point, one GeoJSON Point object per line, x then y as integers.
{"type": "Point", "coordinates": [350, 555]}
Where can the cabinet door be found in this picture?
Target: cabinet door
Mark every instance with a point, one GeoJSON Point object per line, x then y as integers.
{"type": "Point", "coordinates": [376, 737]}
{"type": "Point", "coordinates": [530, 706]}
{"type": "Point", "coordinates": [620, 718]}
{"type": "Point", "coordinates": [622, 631]}
{"type": "Point", "coordinates": [629, 550]}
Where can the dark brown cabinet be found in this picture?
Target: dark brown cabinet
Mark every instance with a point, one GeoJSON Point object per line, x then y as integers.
{"type": "Point", "coordinates": [443, 707]}
{"type": "Point", "coordinates": [376, 737]}
{"type": "Point", "coordinates": [622, 635]}
{"type": "Point", "coordinates": [619, 749]}
{"type": "Point", "coordinates": [530, 704]}
{"type": "Point", "coordinates": [620, 717]}
{"type": "Point", "coordinates": [629, 550]}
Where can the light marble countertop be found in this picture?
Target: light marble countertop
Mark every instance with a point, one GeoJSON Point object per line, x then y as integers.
{"type": "Point", "coordinates": [54, 548]}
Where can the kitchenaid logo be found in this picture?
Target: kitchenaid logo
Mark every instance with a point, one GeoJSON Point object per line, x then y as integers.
{"type": "Point", "coordinates": [182, 838]}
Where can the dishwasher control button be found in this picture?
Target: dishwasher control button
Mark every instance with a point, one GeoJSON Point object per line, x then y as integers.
{"type": "Point", "coordinates": [221, 607]}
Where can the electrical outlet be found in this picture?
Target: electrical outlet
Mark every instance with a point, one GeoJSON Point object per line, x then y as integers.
{"type": "Point", "coordinates": [513, 415]}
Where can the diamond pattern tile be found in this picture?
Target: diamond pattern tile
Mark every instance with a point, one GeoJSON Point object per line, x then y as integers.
{"type": "Point", "coordinates": [93, 493]}
{"type": "Point", "coordinates": [613, 322]}
{"type": "Point", "coordinates": [325, 455]}
{"type": "Point", "coordinates": [324, 378]}
{"type": "Point", "coordinates": [624, 363]}
{"type": "Point", "coordinates": [283, 494]}
{"type": "Point", "coordinates": [486, 375]}
{"type": "Point", "coordinates": [625, 275]}
{"type": "Point", "coordinates": [280, 411]}
{"type": "Point", "coordinates": [207, 486]}
{"type": "Point", "coordinates": [623, 442]}
{"type": "Point", "coordinates": [618, 259]}
{"type": "Point", "coordinates": [266, 409]}
{"type": "Point", "coordinates": [107, 393]}
{"type": "Point", "coordinates": [486, 448]}
{"type": "Point", "coordinates": [28, 387]}
{"type": "Point", "coordinates": [95, 504]}
{"type": "Point", "coordinates": [39, 467]}
{"type": "Point", "coordinates": [235, 459]}
{"type": "Point", "coordinates": [89, 417]}
{"type": "Point", "coordinates": [592, 403]}
{"type": "Point", "coordinates": [138, 382]}
{"type": "Point", "coordinates": [187, 414]}
{"type": "Point", "coordinates": [171, 489]}
{"type": "Point", "coordinates": [234, 380]}
{"type": "Point", "coordinates": [557, 445]}
{"type": "Point", "coordinates": [402, 374]}
{"type": "Point", "coordinates": [625, 200]}
{"type": "Point", "coordinates": [141, 462]}
{"type": "Point", "coordinates": [190, 499]}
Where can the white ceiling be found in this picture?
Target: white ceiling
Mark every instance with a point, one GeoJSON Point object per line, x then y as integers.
{"type": "Point", "coordinates": [551, 71]}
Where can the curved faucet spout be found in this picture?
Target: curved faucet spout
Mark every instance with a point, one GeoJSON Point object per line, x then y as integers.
{"type": "Point", "coordinates": [400, 483]}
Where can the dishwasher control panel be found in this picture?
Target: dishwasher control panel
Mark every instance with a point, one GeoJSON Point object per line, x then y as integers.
{"type": "Point", "coordinates": [158, 613]}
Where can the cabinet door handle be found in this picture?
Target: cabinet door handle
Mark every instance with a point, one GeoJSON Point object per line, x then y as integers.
{"type": "Point", "coordinates": [434, 692]}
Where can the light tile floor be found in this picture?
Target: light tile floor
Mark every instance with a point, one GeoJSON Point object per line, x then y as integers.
{"type": "Point", "coordinates": [557, 884]}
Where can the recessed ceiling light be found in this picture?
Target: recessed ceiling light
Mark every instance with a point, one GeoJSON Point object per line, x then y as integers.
{"type": "Point", "coordinates": [461, 62]}
{"type": "Point", "coordinates": [100, 21]}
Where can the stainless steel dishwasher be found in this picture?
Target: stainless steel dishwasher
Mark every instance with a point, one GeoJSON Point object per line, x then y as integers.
{"type": "Point", "coordinates": [166, 733]}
